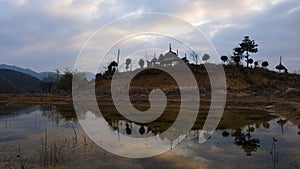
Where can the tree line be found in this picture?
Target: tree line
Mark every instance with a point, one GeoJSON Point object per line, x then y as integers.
{"type": "Point", "coordinates": [60, 82]}
{"type": "Point", "coordinates": [241, 53]}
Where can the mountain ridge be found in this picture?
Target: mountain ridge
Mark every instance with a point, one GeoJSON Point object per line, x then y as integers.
{"type": "Point", "coordinates": [26, 71]}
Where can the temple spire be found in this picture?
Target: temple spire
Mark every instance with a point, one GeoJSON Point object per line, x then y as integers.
{"type": "Point", "coordinates": [280, 59]}
{"type": "Point", "coordinates": [170, 47]}
{"type": "Point", "coordinates": [118, 58]}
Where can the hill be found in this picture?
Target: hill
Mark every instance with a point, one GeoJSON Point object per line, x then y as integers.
{"type": "Point", "coordinates": [26, 71]}
{"type": "Point", "coordinates": [16, 82]}
{"type": "Point", "coordinates": [240, 82]}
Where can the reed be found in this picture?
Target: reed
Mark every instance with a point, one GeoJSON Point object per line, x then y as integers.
{"type": "Point", "coordinates": [75, 134]}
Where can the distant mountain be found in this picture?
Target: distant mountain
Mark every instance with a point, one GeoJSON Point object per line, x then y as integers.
{"type": "Point", "coordinates": [40, 76]}
{"type": "Point", "coordinates": [89, 76]}
{"type": "Point", "coordinates": [16, 82]}
{"type": "Point", "coordinates": [26, 71]}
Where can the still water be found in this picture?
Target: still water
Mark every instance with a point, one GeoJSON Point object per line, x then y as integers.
{"type": "Point", "coordinates": [51, 137]}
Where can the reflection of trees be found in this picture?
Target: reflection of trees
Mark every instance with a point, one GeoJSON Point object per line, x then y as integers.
{"type": "Point", "coordinates": [230, 125]}
{"type": "Point", "coordinates": [245, 141]}
{"type": "Point", "coordinates": [225, 133]}
{"type": "Point", "coordinates": [51, 113]}
{"type": "Point", "coordinates": [128, 129]}
{"type": "Point", "coordinates": [142, 130]}
{"type": "Point", "coordinates": [58, 113]}
{"type": "Point", "coordinates": [281, 122]}
{"type": "Point", "coordinates": [242, 139]}
{"type": "Point", "coordinates": [14, 111]}
{"type": "Point", "coordinates": [266, 125]}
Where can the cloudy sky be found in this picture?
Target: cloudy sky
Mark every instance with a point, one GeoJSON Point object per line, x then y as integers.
{"type": "Point", "coordinates": [48, 35]}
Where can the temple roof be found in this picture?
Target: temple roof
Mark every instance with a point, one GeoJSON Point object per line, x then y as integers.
{"type": "Point", "coordinates": [280, 66]}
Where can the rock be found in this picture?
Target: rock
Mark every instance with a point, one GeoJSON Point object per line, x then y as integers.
{"type": "Point", "coordinates": [270, 107]}
{"type": "Point", "coordinates": [254, 94]}
{"type": "Point", "coordinates": [225, 134]}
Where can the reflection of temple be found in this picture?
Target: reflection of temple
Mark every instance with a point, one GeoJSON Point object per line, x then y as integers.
{"type": "Point", "coordinates": [133, 129]}
{"type": "Point", "coordinates": [169, 59]}
{"type": "Point", "coordinates": [236, 128]}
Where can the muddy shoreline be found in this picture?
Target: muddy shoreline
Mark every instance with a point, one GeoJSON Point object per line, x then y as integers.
{"type": "Point", "coordinates": [287, 108]}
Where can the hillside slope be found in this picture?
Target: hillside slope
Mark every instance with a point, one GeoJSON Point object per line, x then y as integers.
{"type": "Point", "coordinates": [240, 82]}
{"type": "Point", "coordinates": [17, 82]}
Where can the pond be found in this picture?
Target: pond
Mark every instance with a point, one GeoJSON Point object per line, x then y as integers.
{"type": "Point", "coordinates": [51, 137]}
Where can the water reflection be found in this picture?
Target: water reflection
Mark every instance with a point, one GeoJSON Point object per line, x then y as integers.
{"type": "Point", "coordinates": [274, 153]}
{"type": "Point", "coordinates": [243, 139]}
{"type": "Point", "coordinates": [56, 138]}
{"type": "Point", "coordinates": [58, 113]}
{"type": "Point", "coordinates": [11, 112]}
{"type": "Point", "coordinates": [246, 140]}
{"type": "Point", "coordinates": [281, 122]}
{"type": "Point", "coordinates": [238, 125]}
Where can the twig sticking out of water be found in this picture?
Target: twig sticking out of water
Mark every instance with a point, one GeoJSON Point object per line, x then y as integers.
{"type": "Point", "coordinates": [55, 152]}
{"type": "Point", "coordinates": [84, 143]}
{"type": "Point", "coordinates": [19, 150]}
{"type": "Point", "coordinates": [46, 137]}
{"type": "Point", "coordinates": [84, 140]}
{"type": "Point", "coordinates": [74, 133]}
{"type": "Point", "coordinates": [274, 153]}
{"type": "Point", "coordinates": [35, 118]}
{"type": "Point", "coordinates": [45, 159]}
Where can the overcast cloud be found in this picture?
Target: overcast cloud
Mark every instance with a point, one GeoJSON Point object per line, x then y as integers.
{"type": "Point", "coordinates": [46, 35]}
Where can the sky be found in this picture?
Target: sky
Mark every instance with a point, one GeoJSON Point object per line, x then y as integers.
{"type": "Point", "coordinates": [48, 35]}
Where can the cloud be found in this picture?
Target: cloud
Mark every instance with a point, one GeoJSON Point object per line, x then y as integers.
{"type": "Point", "coordinates": [55, 30]}
{"type": "Point", "coordinates": [273, 30]}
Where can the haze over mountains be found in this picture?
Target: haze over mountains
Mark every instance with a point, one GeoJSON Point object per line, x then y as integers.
{"type": "Point", "coordinates": [26, 71]}
{"type": "Point", "coordinates": [14, 79]}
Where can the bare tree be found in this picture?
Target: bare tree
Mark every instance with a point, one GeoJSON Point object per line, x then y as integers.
{"type": "Point", "coordinates": [65, 81]}
{"type": "Point", "coordinates": [194, 56]}
{"type": "Point", "coordinates": [50, 81]}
